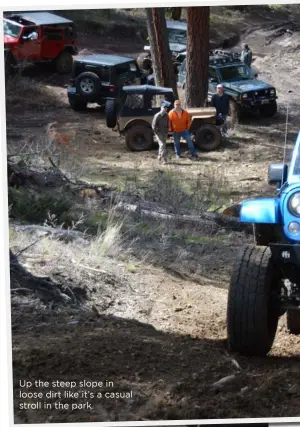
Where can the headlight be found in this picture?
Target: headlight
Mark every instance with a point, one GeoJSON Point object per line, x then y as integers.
{"type": "Point", "coordinates": [272, 92]}
{"type": "Point", "coordinates": [294, 227]}
{"type": "Point", "coordinates": [294, 204]}
{"type": "Point", "coordinates": [245, 95]}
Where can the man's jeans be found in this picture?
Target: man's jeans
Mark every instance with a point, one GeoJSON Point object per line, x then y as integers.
{"type": "Point", "coordinates": [187, 136]}
{"type": "Point", "coordinates": [224, 125]}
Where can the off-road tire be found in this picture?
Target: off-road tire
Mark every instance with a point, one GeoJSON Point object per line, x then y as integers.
{"type": "Point", "coordinates": [268, 110]}
{"type": "Point", "coordinates": [139, 138]}
{"type": "Point", "coordinates": [208, 137]}
{"type": "Point", "coordinates": [252, 314]}
{"type": "Point", "coordinates": [77, 104]}
{"type": "Point", "coordinates": [64, 63]}
{"type": "Point", "coordinates": [293, 321]}
{"type": "Point", "coordinates": [94, 79]}
{"type": "Point", "coordinates": [235, 112]}
{"type": "Point", "coordinates": [111, 113]}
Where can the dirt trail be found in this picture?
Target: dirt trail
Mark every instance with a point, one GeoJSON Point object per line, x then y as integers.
{"type": "Point", "coordinates": [162, 336]}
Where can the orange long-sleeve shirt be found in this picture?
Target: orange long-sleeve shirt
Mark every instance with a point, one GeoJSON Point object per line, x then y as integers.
{"type": "Point", "coordinates": [179, 122]}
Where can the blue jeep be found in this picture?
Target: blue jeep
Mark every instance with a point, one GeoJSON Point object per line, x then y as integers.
{"type": "Point", "coordinates": [265, 282]}
{"type": "Point", "coordinates": [245, 91]}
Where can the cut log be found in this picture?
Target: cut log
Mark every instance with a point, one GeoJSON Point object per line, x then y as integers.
{"type": "Point", "coordinates": [219, 219]}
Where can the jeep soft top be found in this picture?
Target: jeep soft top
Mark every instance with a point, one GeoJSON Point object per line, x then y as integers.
{"type": "Point", "coordinates": [153, 90]}
{"type": "Point", "coordinates": [37, 18]}
{"type": "Point", "coordinates": [104, 59]}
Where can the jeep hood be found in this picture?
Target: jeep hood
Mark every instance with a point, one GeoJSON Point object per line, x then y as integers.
{"type": "Point", "coordinates": [247, 85]}
{"type": "Point", "coordinates": [177, 48]}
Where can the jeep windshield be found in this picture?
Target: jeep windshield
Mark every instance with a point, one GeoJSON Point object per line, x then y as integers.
{"type": "Point", "coordinates": [177, 36]}
{"type": "Point", "coordinates": [234, 73]}
{"type": "Point", "coordinates": [10, 29]}
{"type": "Point", "coordinates": [295, 162]}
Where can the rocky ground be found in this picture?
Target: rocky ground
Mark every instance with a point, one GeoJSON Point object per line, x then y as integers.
{"type": "Point", "coordinates": [153, 311]}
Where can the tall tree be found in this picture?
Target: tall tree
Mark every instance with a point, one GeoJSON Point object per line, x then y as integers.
{"type": "Point", "coordinates": [157, 69]}
{"type": "Point", "coordinates": [165, 56]}
{"type": "Point", "coordinates": [197, 58]}
{"type": "Point", "coordinates": [176, 13]}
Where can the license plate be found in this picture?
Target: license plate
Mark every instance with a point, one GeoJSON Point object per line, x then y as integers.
{"type": "Point", "coordinates": [71, 89]}
{"type": "Point", "coordinates": [265, 101]}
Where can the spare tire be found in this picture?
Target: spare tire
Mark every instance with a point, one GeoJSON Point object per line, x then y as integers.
{"type": "Point", "coordinates": [139, 138]}
{"type": "Point", "coordinates": [111, 113]}
{"type": "Point", "coordinates": [88, 85]}
{"type": "Point", "coordinates": [208, 137]}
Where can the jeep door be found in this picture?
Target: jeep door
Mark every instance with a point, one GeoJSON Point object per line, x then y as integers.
{"type": "Point", "coordinates": [28, 48]}
{"type": "Point", "coordinates": [52, 41]}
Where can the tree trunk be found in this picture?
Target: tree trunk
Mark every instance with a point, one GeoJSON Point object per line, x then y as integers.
{"type": "Point", "coordinates": [197, 59]}
{"type": "Point", "coordinates": [157, 70]}
{"type": "Point", "coordinates": [165, 56]}
{"type": "Point", "coordinates": [176, 13]}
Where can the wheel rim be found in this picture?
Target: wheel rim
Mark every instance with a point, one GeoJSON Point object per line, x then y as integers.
{"type": "Point", "coordinates": [87, 85]}
{"type": "Point", "coordinates": [140, 141]}
{"type": "Point", "coordinates": [208, 137]}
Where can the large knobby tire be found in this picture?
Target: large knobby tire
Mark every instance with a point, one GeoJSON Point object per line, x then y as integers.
{"type": "Point", "coordinates": [64, 63]}
{"type": "Point", "coordinates": [88, 85]}
{"type": "Point", "coordinates": [111, 113]}
{"type": "Point", "coordinates": [293, 321]}
{"type": "Point", "coordinates": [208, 137]}
{"type": "Point", "coordinates": [268, 110]}
{"type": "Point", "coordinates": [252, 313]}
{"type": "Point", "coordinates": [139, 138]}
{"type": "Point", "coordinates": [77, 104]}
{"type": "Point", "coordinates": [235, 112]}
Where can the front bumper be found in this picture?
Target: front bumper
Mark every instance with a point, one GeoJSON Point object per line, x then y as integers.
{"type": "Point", "coordinates": [286, 253]}
{"type": "Point", "coordinates": [257, 103]}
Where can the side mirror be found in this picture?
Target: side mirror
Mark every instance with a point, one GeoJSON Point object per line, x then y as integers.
{"type": "Point", "coordinates": [34, 36]}
{"type": "Point", "coordinates": [277, 173]}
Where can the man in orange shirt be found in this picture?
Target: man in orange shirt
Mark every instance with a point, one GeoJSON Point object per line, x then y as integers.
{"type": "Point", "coordinates": [179, 124]}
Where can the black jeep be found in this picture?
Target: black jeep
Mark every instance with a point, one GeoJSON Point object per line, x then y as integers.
{"type": "Point", "coordinates": [246, 92]}
{"type": "Point", "coordinates": [98, 79]}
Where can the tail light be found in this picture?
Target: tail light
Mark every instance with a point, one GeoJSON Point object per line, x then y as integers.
{"type": "Point", "coordinates": [112, 88]}
{"type": "Point", "coordinates": [71, 81]}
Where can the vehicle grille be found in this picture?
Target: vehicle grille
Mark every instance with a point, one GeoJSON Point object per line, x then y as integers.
{"type": "Point", "coordinates": [259, 94]}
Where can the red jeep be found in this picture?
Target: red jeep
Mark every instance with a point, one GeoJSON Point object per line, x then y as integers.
{"type": "Point", "coordinates": [35, 37]}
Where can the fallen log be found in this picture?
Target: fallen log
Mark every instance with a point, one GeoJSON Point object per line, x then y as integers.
{"type": "Point", "coordinates": [56, 233]}
{"type": "Point", "coordinates": [221, 220]}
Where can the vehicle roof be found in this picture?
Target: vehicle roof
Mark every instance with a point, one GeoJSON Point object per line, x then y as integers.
{"type": "Point", "coordinates": [104, 59]}
{"type": "Point", "coordinates": [147, 88]}
{"type": "Point", "coordinates": [177, 25]}
{"type": "Point", "coordinates": [39, 18]}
